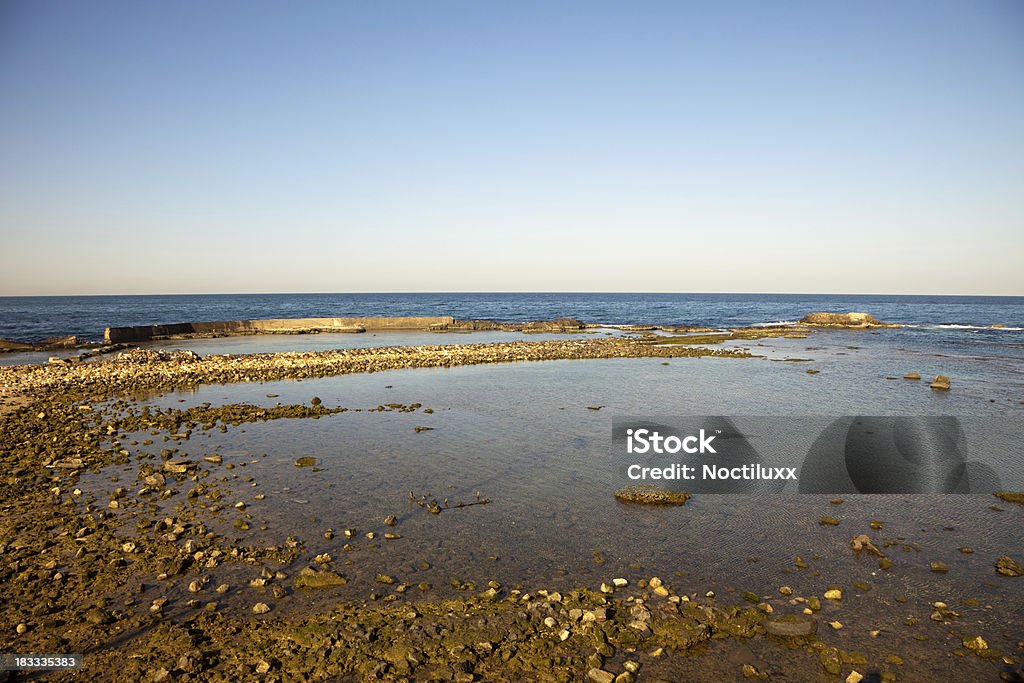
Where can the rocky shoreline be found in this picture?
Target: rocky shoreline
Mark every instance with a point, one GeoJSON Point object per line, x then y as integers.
{"type": "Point", "coordinates": [140, 600]}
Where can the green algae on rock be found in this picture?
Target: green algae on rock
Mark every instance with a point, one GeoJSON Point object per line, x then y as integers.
{"type": "Point", "coordinates": [651, 494]}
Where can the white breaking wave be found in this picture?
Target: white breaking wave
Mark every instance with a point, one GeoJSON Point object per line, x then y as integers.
{"type": "Point", "coordinates": [777, 323]}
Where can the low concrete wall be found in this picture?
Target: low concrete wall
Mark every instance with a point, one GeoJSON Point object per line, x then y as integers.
{"type": "Point", "coordinates": [282, 326]}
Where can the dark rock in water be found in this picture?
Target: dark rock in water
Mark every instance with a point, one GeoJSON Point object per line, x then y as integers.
{"type": "Point", "coordinates": [791, 626]}
{"type": "Point", "coordinates": [941, 382]}
{"type": "Point", "coordinates": [1007, 566]}
{"type": "Point", "coordinates": [305, 461]}
{"type": "Point", "coordinates": [68, 342]}
{"type": "Point", "coordinates": [311, 579]}
{"type": "Point", "coordinates": [863, 542]}
{"type": "Point", "coordinates": [1011, 497]}
{"type": "Point", "coordinates": [651, 494]}
{"type": "Point", "coordinates": [852, 319]}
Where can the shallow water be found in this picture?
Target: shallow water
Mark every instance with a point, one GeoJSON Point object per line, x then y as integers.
{"type": "Point", "coordinates": [522, 436]}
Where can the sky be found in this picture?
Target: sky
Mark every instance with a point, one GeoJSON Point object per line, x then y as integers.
{"type": "Point", "coordinates": [823, 147]}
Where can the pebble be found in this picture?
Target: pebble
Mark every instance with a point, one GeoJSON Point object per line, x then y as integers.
{"type": "Point", "coordinates": [260, 608]}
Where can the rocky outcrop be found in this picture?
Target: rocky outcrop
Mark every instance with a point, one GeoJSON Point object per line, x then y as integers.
{"type": "Point", "coordinates": [48, 344]}
{"type": "Point", "coordinates": [558, 325]}
{"type": "Point", "coordinates": [852, 319]}
{"type": "Point", "coordinates": [11, 345]}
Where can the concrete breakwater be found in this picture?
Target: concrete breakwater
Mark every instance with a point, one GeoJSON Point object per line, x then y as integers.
{"type": "Point", "coordinates": [280, 326]}
{"type": "Point", "coordinates": [439, 323]}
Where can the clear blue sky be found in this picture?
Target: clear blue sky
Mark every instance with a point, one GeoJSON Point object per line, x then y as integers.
{"type": "Point", "coordinates": [857, 147]}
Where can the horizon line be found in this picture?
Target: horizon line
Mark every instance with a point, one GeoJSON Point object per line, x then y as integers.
{"type": "Point", "coordinates": [479, 292]}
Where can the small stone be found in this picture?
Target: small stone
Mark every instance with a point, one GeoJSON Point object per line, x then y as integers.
{"type": "Point", "coordinates": [834, 594]}
{"type": "Point", "coordinates": [596, 675]}
{"type": "Point", "coordinates": [391, 520]}
{"type": "Point", "coordinates": [938, 567]}
{"type": "Point", "coordinates": [619, 583]}
{"type": "Point", "coordinates": [835, 624]}
{"type": "Point", "coordinates": [260, 608]}
{"type": "Point", "coordinates": [305, 461]}
{"type": "Point", "coordinates": [749, 671]}
{"type": "Point", "coordinates": [21, 628]}
{"type": "Point", "coordinates": [975, 644]}
{"type": "Point", "coordinates": [1007, 566]}
{"type": "Point", "coordinates": [785, 590]}
{"type": "Point", "coordinates": [828, 521]}
{"type": "Point", "coordinates": [854, 677]}
{"type": "Point", "coordinates": [940, 383]}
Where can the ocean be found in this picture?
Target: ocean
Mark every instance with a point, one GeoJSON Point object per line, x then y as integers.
{"type": "Point", "coordinates": [35, 318]}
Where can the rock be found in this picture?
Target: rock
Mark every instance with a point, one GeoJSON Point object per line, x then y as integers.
{"type": "Point", "coordinates": [912, 375]}
{"type": "Point", "coordinates": [391, 520]}
{"type": "Point", "coordinates": [863, 542]}
{"type": "Point", "coordinates": [834, 594]}
{"type": "Point", "coordinates": [178, 466]}
{"type": "Point", "coordinates": [315, 401]}
{"type": "Point", "coordinates": [600, 676]}
{"type": "Point", "coordinates": [68, 342]}
{"type": "Point", "coordinates": [1011, 496]}
{"type": "Point", "coordinates": [312, 579]}
{"type": "Point", "coordinates": [975, 644]}
{"type": "Point", "coordinates": [1007, 566]}
{"type": "Point", "coordinates": [852, 319]}
{"type": "Point", "coordinates": [791, 626]}
{"type": "Point", "coordinates": [940, 383]}
{"type": "Point", "coordinates": [749, 671]}
{"type": "Point", "coordinates": [938, 567]}
{"type": "Point", "coordinates": [854, 677]}
{"type": "Point", "coordinates": [651, 494]}
{"type": "Point", "coordinates": [260, 608]}
{"type": "Point", "coordinates": [305, 461]}
{"type": "Point", "coordinates": [828, 521]}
